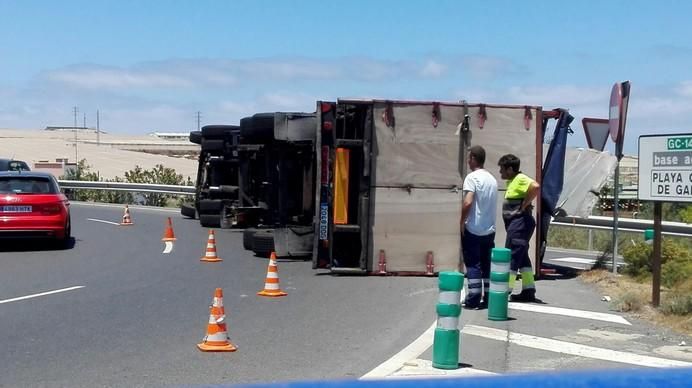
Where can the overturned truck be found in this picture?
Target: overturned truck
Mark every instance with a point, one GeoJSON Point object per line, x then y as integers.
{"type": "Point", "coordinates": [388, 199]}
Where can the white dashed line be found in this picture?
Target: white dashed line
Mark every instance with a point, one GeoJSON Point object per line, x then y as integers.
{"type": "Point", "coordinates": [40, 294]}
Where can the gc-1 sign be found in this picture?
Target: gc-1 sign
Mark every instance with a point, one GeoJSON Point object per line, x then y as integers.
{"type": "Point", "coordinates": [665, 168]}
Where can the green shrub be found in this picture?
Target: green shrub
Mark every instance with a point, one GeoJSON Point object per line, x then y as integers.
{"type": "Point", "coordinates": [628, 301]}
{"type": "Point", "coordinates": [638, 258]}
{"type": "Point", "coordinates": [677, 304]}
{"type": "Point", "coordinates": [675, 271]}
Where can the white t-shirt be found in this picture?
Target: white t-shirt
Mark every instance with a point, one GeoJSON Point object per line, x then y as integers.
{"type": "Point", "coordinates": [481, 218]}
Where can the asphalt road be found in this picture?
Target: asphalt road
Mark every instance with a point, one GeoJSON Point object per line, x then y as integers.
{"type": "Point", "coordinates": [140, 313]}
{"type": "Point", "coordinates": [130, 316]}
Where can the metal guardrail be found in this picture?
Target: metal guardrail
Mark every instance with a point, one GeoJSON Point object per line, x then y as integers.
{"type": "Point", "coordinates": [125, 186]}
{"type": "Point", "coordinates": [591, 222]}
{"type": "Point", "coordinates": [624, 224]}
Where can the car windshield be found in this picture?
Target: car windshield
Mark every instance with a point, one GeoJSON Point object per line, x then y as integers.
{"type": "Point", "coordinates": [17, 165]}
{"type": "Point", "coordinates": [26, 185]}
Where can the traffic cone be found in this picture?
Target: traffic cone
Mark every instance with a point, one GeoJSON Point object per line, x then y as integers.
{"type": "Point", "coordinates": [127, 220]}
{"type": "Point", "coordinates": [271, 285]}
{"type": "Point", "coordinates": [168, 235]}
{"type": "Point", "coordinates": [217, 339]}
{"type": "Point", "coordinates": [210, 254]}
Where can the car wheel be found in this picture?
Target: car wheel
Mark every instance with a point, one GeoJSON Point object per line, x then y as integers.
{"type": "Point", "coordinates": [67, 237]}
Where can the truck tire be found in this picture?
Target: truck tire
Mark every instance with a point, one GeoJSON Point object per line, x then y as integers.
{"type": "Point", "coordinates": [248, 235]}
{"type": "Point", "coordinates": [258, 129]}
{"type": "Point", "coordinates": [196, 137]}
{"type": "Point", "coordinates": [212, 145]}
{"type": "Point", "coordinates": [263, 242]}
{"type": "Point", "coordinates": [188, 210]}
{"type": "Point", "coordinates": [210, 220]}
{"type": "Point", "coordinates": [218, 131]}
{"type": "Point", "coordinates": [210, 206]}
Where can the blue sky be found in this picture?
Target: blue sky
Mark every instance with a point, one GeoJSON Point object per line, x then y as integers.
{"type": "Point", "coordinates": [150, 65]}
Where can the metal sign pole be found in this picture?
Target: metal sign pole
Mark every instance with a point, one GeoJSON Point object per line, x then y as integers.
{"type": "Point", "coordinates": [616, 204]}
{"type": "Point", "coordinates": [656, 257]}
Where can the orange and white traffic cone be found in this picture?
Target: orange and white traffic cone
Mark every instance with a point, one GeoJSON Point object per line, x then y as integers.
{"type": "Point", "coordinates": [127, 220]}
{"type": "Point", "coordinates": [217, 339]}
{"type": "Point", "coordinates": [210, 254]}
{"type": "Point", "coordinates": [271, 285]}
{"type": "Point", "coordinates": [168, 235]}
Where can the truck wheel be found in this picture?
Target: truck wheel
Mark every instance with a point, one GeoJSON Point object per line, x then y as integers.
{"type": "Point", "coordinates": [248, 235]}
{"type": "Point", "coordinates": [212, 145]}
{"type": "Point", "coordinates": [209, 220]}
{"type": "Point", "coordinates": [196, 137]}
{"type": "Point", "coordinates": [259, 129]}
{"type": "Point", "coordinates": [263, 242]}
{"type": "Point", "coordinates": [210, 206]}
{"type": "Point", "coordinates": [188, 210]}
{"type": "Point", "coordinates": [218, 131]}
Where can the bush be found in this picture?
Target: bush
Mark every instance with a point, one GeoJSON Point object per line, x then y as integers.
{"type": "Point", "coordinates": [638, 258]}
{"type": "Point", "coordinates": [628, 301]}
{"type": "Point", "coordinates": [677, 304]}
{"type": "Point", "coordinates": [675, 272]}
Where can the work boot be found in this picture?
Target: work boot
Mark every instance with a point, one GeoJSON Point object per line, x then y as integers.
{"type": "Point", "coordinates": [524, 296]}
{"type": "Point", "coordinates": [484, 302]}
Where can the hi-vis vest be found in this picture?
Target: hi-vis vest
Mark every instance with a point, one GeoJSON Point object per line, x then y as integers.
{"type": "Point", "coordinates": [517, 188]}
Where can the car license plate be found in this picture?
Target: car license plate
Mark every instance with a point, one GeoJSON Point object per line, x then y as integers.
{"type": "Point", "coordinates": [15, 209]}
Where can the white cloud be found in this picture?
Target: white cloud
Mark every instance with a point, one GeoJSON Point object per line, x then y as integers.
{"type": "Point", "coordinates": [100, 78]}
{"type": "Point", "coordinates": [433, 69]}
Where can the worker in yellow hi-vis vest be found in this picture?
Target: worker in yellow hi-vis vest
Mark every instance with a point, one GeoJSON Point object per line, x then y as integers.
{"type": "Point", "coordinates": [519, 223]}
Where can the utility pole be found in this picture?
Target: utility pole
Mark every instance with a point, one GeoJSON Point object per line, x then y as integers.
{"type": "Point", "coordinates": [84, 120]}
{"type": "Point", "coordinates": [199, 119]}
{"type": "Point", "coordinates": [75, 110]}
{"type": "Point", "coordinates": [98, 131]}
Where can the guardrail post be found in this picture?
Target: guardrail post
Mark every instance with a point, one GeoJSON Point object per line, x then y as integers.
{"type": "Point", "coordinates": [499, 284]}
{"type": "Point", "coordinates": [446, 340]}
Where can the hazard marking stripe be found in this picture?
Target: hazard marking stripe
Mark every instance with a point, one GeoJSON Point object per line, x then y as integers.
{"type": "Point", "coordinates": [40, 294]}
{"type": "Point", "coordinates": [564, 347]}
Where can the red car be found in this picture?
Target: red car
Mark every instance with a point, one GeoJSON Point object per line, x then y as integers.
{"type": "Point", "coordinates": [32, 206]}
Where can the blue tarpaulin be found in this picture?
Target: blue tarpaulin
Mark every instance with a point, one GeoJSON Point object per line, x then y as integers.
{"type": "Point", "coordinates": [553, 173]}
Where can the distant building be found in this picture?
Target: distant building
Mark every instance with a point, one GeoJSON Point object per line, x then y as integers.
{"type": "Point", "coordinates": [72, 129]}
{"type": "Point", "coordinates": [58, 168]}
{"type": "Point", "coordinates": [184, 136]}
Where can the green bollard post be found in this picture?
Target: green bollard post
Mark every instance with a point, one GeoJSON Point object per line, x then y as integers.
{"type": "Point", "coordinates": [446, 340]}
{"type": "Point", "coordinates": [499, 284]}
{"type": "Point", "coordinates": [649, 236]}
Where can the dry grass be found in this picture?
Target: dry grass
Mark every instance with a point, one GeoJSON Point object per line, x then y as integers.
{"type": "Point", "coordinates": [634, 297]}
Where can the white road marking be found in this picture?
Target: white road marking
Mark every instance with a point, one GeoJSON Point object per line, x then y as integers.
{"type": "Point", "coordinates": [568, 312]}
{"type": "Point", "coordinates": [564, 311]}
{"type": "Point", "coordinates": [552, 345]}
{"type": "Point", "coordinates": [103, 221]}
{"type": "Point", "coordinates": [169, 247]}
{"type": "Point", "coordinates": [151, 208]}
{"type": "Point", "coordinates": [415, 349]}
{"type": "Point", "coordinates": [579, 260]}
{"type": "Point", "coordinates": [40, 294]}
{"type": "Point", "coordinates": [420, 368]}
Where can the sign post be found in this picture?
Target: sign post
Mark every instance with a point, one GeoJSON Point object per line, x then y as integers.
{"type": "Point", "coordinates": [665, 175]}
{"type": "Point", "coordinates": [617, 115]}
